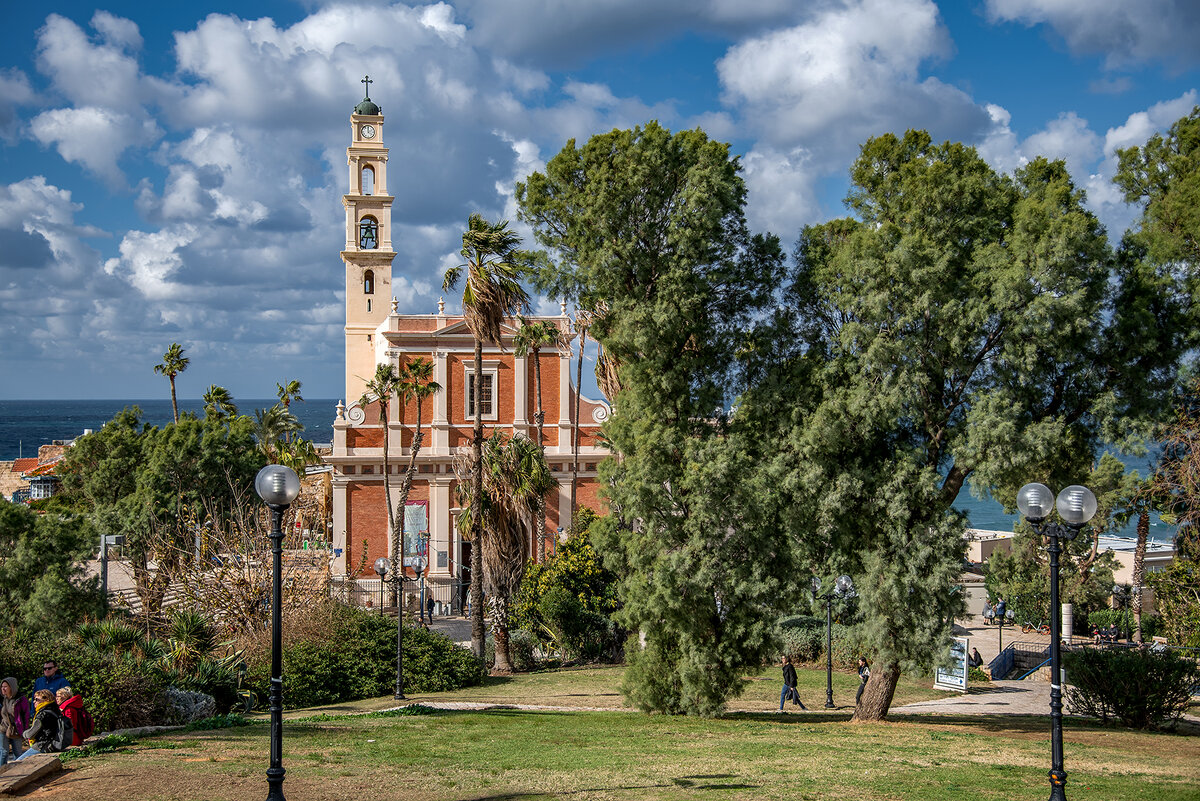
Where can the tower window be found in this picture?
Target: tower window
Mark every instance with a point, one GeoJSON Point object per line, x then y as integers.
{"type": "Point", "coordinates": [368, 233]}
{"type": "Point", "coordinates": [369, 282]}
{"type": "Point", "coordinates": [368, 180]}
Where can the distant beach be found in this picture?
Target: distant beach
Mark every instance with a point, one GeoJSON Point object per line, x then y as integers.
{"type": "Point", "coordinates": [24, 425]}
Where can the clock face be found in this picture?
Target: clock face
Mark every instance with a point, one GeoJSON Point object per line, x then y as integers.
{"type": "Point", "coordinates": [368, 132]}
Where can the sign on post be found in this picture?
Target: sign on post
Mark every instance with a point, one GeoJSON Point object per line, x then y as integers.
{"type": "Point", "coordinates": [955, 676]}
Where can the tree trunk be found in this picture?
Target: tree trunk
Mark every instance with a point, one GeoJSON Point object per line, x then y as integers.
{"type": "Point", "coordinates": [540, 417]}
{"type": "Point", "coordinates": [174, 405]}
{"type": "Point", "coordinates": [500, 634]}
{"type": "Point", "coordinates": [877, 695]}
{"type": "Point", "coordinates": [477, 636]}
{"type": "Point", "coordinates": [397, 529]}
{"type": "Point", "coordinates": [575, 428]}
{"type": "Point", "coordinates": [1139, 565]}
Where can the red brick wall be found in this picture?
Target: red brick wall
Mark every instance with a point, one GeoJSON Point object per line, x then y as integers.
{"type": "Point", "coordinates": [364, 438]}
{"type": "Point", "coordinates": [366, 517]}
{"type": "Point", "coordinates": [549, 363]}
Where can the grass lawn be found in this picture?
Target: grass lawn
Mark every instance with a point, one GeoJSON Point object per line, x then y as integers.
{"type": "Point", "coordinates": [513, 754]}
{"type": "Point", "coordinates": [597, 688]}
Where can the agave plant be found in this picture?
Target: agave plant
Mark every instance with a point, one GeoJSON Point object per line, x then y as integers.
{"type": "Point", "coordinates": [190, 639]}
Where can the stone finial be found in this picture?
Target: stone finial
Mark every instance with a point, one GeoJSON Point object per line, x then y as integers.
{"type": "Point", "coordinates": [395, 304]}
{"type": "Point", "coordinates": [341, 411]}
{"type": "Point", "coordinates": [562, 308]}
{"type": "Point", "coordinates": [441, 306]}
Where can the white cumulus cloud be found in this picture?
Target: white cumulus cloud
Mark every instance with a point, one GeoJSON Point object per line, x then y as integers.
{"type": "Point", "coordinates": [1123, 32]}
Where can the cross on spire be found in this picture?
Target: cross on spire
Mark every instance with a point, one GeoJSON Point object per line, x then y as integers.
{"type": "Point", "coordinates": [366, 82]}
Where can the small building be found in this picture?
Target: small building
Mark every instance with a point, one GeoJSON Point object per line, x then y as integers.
{"type": "Point", "coordinates": [43, 479]}
{"type": "Point", "coordinates": [981, 544]}
{"type": "Point", "coordinates": [13, 486]}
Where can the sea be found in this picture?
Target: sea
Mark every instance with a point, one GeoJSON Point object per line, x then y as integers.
{"type": "Point", "coordinates": [26, 424]}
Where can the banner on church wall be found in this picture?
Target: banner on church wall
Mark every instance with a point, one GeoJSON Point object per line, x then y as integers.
{"type": "Point", "coordinates": [416, 527]}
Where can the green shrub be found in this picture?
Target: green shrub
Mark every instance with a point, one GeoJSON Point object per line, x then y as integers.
{"type": "Point", "coordinates": [434, 663]}
{"type": "Point", "coordinates": [804, 638]}
{"type": "Point", "coordinates": [975, 674]}
{"type": "Point", "coordinates": [566, 602]}
{"type": "Point", "coordinates": [344, 654]}
{"type": "Point", "coordinates": [1140, 687]}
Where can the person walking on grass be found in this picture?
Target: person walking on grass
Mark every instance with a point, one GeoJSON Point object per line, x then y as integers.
{"type": "Point", "coordinates": [789, 684]}
{"type": "Point", "coordinates": [864, 673]}
{"type": "Point", "coordinates": [14, 719]}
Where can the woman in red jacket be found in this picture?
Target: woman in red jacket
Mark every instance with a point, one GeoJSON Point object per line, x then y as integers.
{"type": "Point", "coordinates": [71, 705]}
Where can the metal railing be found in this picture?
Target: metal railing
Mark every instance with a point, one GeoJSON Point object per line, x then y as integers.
{"type": "Point", "coordinates": [449, 597]}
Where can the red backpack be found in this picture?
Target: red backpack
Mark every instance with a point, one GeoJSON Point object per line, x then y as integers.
{"type": "Point", "coordinates": [87, 725]}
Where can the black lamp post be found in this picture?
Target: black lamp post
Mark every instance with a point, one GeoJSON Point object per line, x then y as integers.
{"type": "Point", "coordinates": [1000, 620]}
{"type": "Point", "coordinates": [843, 587]}
{"type": "Point", "coordinates": [1076, 505]}
{"type": "Point", "coordinates": [381, 570]}
{"type": "Point", "coordinates": [278, 486]}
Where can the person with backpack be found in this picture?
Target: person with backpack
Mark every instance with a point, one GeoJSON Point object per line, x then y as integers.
{"type": "Point", "coordinates": [14, 719]}
{"type": "Point", "coordinates": [50, 731]}
{"type": "Point", "coordinates": [71, 705]}
{"type": "Point", "coordinates": [789, 684]}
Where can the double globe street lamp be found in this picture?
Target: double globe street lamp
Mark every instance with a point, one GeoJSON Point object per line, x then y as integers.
{"type": "Point", "coordinates": [278, 486]}
{"type": "Point", "coordinates": [843, 587]}
{"type": "Point", "coordinates": [1076, 505]}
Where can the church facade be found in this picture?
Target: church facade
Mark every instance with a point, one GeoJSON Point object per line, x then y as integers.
{"type": "Point", "coordinates": [376, 333]}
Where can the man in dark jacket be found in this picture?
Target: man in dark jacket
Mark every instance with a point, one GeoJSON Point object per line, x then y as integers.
{"type": "Point", "coordinates": [789, 685]}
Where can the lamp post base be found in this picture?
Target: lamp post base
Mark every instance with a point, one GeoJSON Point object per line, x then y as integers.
{"type": "Point", "coordinates": [275, 784]}
{"type": "Point", "coordinates": [1058, 785]}
{"type": "Point", "coordinates": [830, 705]}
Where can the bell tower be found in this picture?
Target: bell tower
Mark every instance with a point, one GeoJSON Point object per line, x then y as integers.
{"type": "Point", "coordinates": [368, 253]}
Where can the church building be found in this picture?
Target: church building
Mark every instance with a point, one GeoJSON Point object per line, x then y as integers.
{"type": "Point", "coordinates": [377, 334]}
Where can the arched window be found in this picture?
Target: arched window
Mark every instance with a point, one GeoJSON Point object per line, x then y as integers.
{"type": "Point", "coordinates": [368, 233]}
{"type": "Point", "coordinates": [368, 180]}
{"type": "Point", "coordinates": [369, 282]}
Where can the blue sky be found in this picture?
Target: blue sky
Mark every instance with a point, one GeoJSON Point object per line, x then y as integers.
{"type": "Point", "coordinates": [173, 172]}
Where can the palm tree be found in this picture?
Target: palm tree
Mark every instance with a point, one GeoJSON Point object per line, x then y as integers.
{"type": "Point", "coordinates": [492, 292]}
{"type": "Point", "coordinates": [298, 454]}
{"type": "Point", "coordinates": [383, 385]}
{"type": "Point", "coordinates": [173, 363]}
{"type": "Point", "coordinates": [515, 478]}
{"type": "Point", "coordinates": [287, 393]}
{"type": "Point", "coordinates": [218, 402]}
{"type": "Point", "coordinates": [271, 426]}
{"type": "Point", "coordinates": [531, 338]}
{"type": "Point", "coordinates": [414, 384]}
